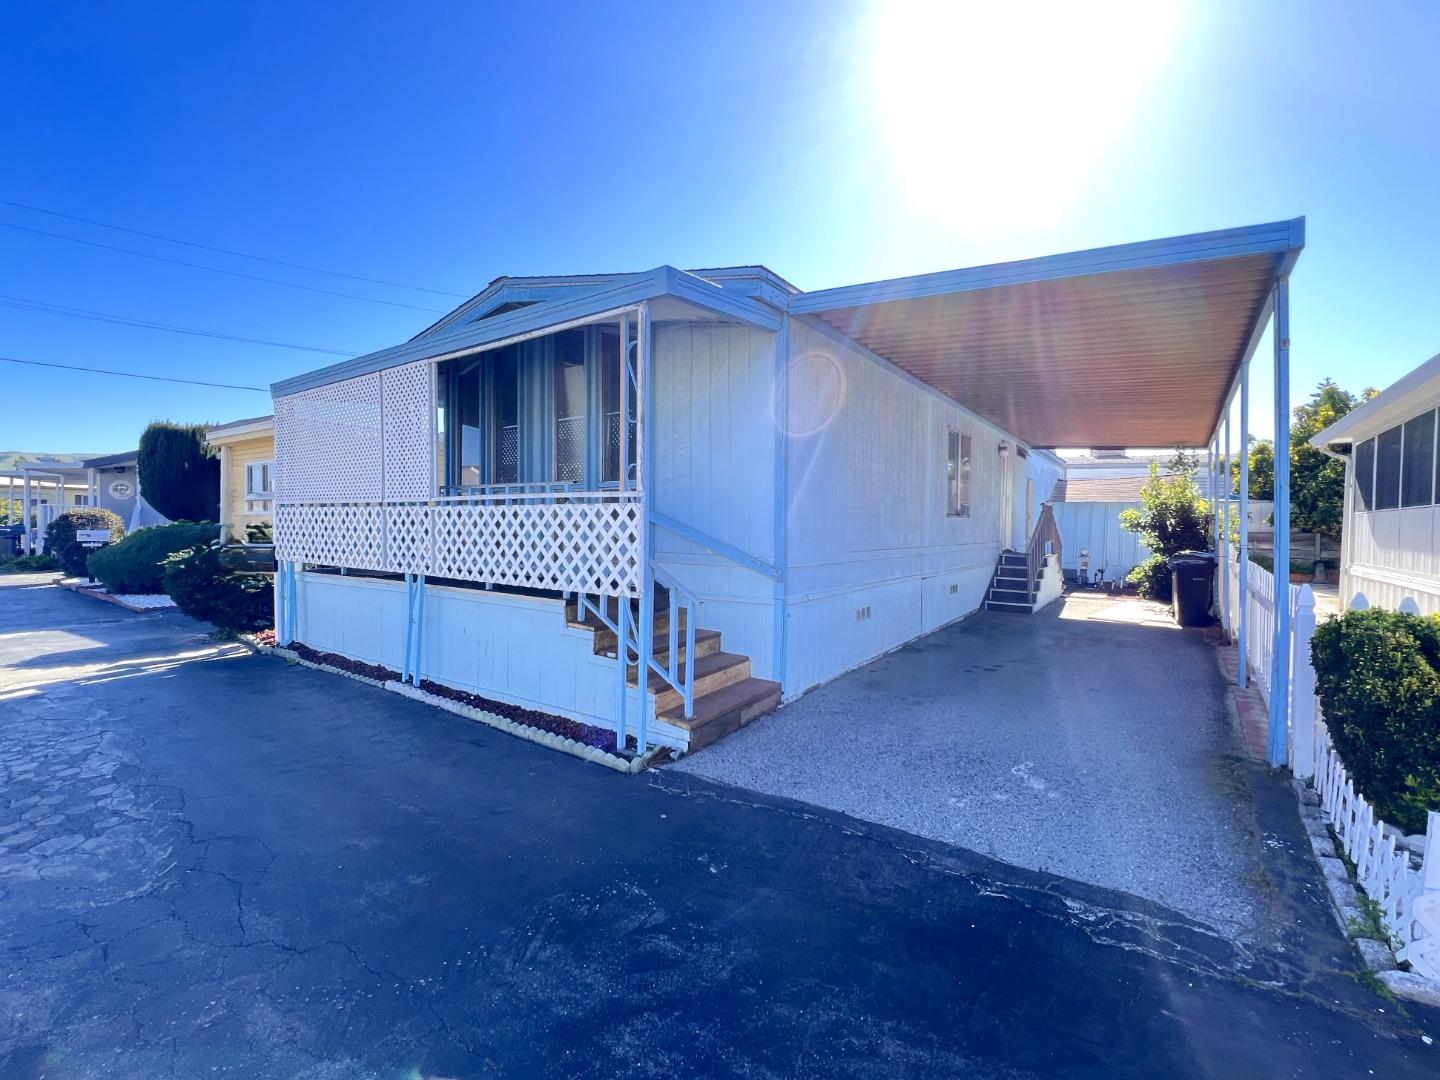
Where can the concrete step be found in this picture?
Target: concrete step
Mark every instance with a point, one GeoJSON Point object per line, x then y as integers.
{"type": "Point", "coordinates": [727, 709]}
{"type": "Point", "coordinates": [1011, 596]}
{"type": "Point", "coordinates": [1019, 609]}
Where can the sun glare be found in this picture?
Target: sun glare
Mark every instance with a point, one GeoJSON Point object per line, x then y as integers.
{"type": "Point", "coordinates": [1003, 112]}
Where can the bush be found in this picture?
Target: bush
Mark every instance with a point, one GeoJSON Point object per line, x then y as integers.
{"type": "Point", "coordinates": [1378, 677]}
{"type": "Point", "coordinates": [204, 589]}
{"type": "Point", "coordinates": [29, 564]}
{"type": "Point", "coordinates": [1152, 579]}
{"type": "Point", "coordinates": [60, 535]}
{"type": "Point", "coordinates": [133, 565]}
{"type": "Point", "coordinates": [179, 473]}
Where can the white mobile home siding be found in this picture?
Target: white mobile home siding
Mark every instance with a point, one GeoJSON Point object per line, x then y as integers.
{"type": "Point", "coordinates": [874, 561]}
{"type": "Point", "coordinates": [1393, 554]}
{"type": "Point", "coordinates": [715, 446]}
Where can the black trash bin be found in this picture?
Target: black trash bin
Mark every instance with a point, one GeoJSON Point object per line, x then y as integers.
{"type": "Point", "coordinates": [1192, 575]}
{"type": "Point", "coordinates": [10, 540]}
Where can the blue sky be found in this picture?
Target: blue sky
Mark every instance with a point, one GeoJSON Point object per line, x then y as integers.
{"type": "Point", "coordinates": [445, 144]}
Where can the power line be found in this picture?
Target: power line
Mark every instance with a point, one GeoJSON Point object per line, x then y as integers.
{"type": "Point", "coordinates": [216, 269]}
{"type": "Point", "coordinates": [43, 307]}
{"type": "Point", "coordinates": [228, 251]}
{"type": "Point", "coordinates": [130, 374]}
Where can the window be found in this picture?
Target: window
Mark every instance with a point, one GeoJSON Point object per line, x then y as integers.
{"type": "Point", "coordinates": [506, 433]}
{"type": "Point", "coordinates": [466, 414]}
{"type": "Point", "coordinates": [957, 474]}
{"type": "Point", "coordinates": [1365, 475]}
{"type": "Point", "coordinates": [259, 489]}
{"type": "Point", "coordinates": [1417, 480]}
{"type": "Point", "coordinates": [570, 390]}
{"type": "Point", "coordinates": [1389, 448]}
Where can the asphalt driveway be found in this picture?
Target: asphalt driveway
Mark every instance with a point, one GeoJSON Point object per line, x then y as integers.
{"type": "Point", "coordinates": [1091, 740]}
{"type": "Point", "coordinates": [225, 866]}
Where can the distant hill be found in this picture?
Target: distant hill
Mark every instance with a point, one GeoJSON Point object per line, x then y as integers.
{"type": "Point", "coordinates": [10, 459]}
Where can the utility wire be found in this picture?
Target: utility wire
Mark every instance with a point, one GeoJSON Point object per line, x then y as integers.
{"type": "Point", "coordinates": [130, 374]}
{"type": "Point", "coordinates": [228, 251]}
{"type": "Point", "coordinates": [216, 269]}
{"type": "Point", "coordinates": [43, 307]}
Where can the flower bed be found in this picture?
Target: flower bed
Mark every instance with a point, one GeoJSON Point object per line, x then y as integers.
{"type": "Point", "coordinates": [574, 731]}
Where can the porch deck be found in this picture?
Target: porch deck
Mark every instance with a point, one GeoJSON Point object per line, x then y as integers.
{"type": "Point", "coordinates": [1091, 740]}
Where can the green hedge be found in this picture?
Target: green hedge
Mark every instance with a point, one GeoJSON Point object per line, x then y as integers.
{"type": "Point", "coordinates": [1378, 676]}
{"type": "Point", "coordinates": [204, 589]}
{"type": "Point", "coordinates": [133, 565]}
{"type": "Point", "coordinates": [60, 535]}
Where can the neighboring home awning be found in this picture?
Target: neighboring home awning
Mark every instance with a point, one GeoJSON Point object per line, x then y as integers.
{"type": "Point", "coordinates": [1110, 489]}
{"type": "Point", "coordinates": [1135, 345]}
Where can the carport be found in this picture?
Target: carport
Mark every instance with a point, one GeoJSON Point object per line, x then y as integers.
{"type": "Point", "coordinates": [1139, 345]}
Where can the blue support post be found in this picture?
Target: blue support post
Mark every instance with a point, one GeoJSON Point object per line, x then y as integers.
{"type": "Point", "coordinates": [646, 376]}
{"type": "Point", "coordinates": [622, 630]}
{"type": "Point", "coordinates": [1242, 677]}
{"type": "Point", "coordinates": [1227, 615]}
{"type": "Point", "coordinates": [781, 510]}
{"type": "Point", "coordinates": [1280, 669]}
{"type": "Point", "coordinates": [415, 666]}
{"type": "Point", "coordinates": [409, 627]}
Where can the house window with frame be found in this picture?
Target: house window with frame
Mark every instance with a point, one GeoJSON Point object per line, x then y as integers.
{"type": "Point", "coordinates": [1365, 475]}
{"type": "Point", "coordinates": [259, 487]}
{"type": "Point", "coordinates": [1389, 450]}
{"type": "Point", "coordinates": [1417, 478]}
{"type": "Point", "coordinates": [957, 474]}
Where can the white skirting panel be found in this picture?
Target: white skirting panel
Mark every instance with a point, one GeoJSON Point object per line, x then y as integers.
{"type": "Point", "coordinates": [834, 631]}
{"type": "Point", "coordinates": [515, 649]}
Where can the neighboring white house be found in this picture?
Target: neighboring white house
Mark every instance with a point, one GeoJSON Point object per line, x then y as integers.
{"type": "Point", "coordinates": [716, 465]}
{"type": "Point", "coordinates": [1391, 540]}
{"type": "Point", "coordinates": [46, 488]}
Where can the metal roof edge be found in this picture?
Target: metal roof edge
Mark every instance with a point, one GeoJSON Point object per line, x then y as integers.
{"type": "Point", "coordinates": [1280, 238]}
{"type": "Point", "coordinates": [1390, 404]}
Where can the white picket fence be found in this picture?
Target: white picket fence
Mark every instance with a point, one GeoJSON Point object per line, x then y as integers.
{"type": "Point", "coordinates": [1406, 887]}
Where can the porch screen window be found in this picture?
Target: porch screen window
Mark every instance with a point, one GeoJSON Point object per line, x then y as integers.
{"type": "Point", "coordinates": [610, 412]}
{"type": "Point", "coordinates": [467, 426]}
{"type": "Point", "coordinates": [259, 489]}
{"type": "Point", "coordinates": [1417, 484]}
{"type": "Point", "coordinates": [570, 407]}
{"type": "Point", "coordinates": [1389, 448]}
{"type": "Point", "coordinates": [957, 474]}
{"type": "Point", "coordinates": [506, 432]}
{"type": "Point", "coordinates": [1365, 475]}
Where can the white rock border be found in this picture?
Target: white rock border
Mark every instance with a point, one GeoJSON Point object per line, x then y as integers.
{"type": "Point", "coordinates": [1378, 956]}
{"type": "Point", "coordinates": [469, 712]}
{"type": "Point", "coordinates": [121, 600]}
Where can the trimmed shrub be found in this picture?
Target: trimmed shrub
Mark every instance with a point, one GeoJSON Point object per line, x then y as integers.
{"type": "Point", "coordinates": [133, 565]}
{"type": "Point", "coordinates": [60, 535]}
{"type": "Point", "coordinates": [29, 564]}
{"type": "Point", "coordinates": [204, 589]}
{"type": "Point", "coordinates": [1378, 677]}
{"type": "Point", "coordinates": [1152, 579]}
{"type": "Point", "coordinates": [179, 474]}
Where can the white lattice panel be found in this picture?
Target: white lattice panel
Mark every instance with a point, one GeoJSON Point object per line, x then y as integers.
{"type": "Point", "coordinates": [352, 536]}
{"type": "Point", "coordinates": [410, 460]}
{"type": "Point", "coordinates": [327, 443]}
{"type": "Point", "coordinates": [589, 543]}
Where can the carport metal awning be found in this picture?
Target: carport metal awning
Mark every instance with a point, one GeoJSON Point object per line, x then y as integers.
{"type": "Point", "coordinates": [1127, 346]}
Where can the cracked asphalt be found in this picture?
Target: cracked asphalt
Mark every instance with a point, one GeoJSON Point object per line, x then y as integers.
{"type": "Point", "coordinates": [216, 864]}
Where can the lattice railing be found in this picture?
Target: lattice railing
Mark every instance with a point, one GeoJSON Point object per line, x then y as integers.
{"type": "Point", "coordinates": [566, 542]}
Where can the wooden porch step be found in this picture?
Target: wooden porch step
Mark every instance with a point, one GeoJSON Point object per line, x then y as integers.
{"type": "Point", "coordinates": [713, 672]}
{"type": "Point", "coordinates": [1000, 605]}
{"type": "Point", "coordinates": [707, 643]}
{"type": "Point", "coordinates": [727, 709]}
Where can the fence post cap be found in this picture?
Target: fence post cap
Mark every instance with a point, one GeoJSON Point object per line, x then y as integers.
{"type": "Point", "coordinates": [1305, 597]}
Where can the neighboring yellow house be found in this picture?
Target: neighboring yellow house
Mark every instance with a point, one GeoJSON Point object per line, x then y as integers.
{"type": "Point", "coordinates": [247, 473]}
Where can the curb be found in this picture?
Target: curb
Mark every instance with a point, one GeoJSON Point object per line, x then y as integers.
{"type": "Point", "coordinates": [1345, 905]}
{"type": "Point", "coordinates": [580, 750]}
{"type": "Point", "coordinates": [96, 592]}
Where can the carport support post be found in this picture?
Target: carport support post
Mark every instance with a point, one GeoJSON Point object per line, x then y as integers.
{"type": "Point", "coordinates": [1242, 675]}
{"type": "Point", "coordinates": [1226, 616]}
{"type": "Point", "coordinates": [1280, 668]}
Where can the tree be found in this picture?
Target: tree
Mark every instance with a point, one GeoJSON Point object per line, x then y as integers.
{"type": "Point", "coordinates": [1262, 470]}
{"type": "Point", "coordinates": [1174, 516]}
{"type": "Point", "coordinates": [1317, 481]}
{"type": "Point", "coordinates": [179, 474]}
